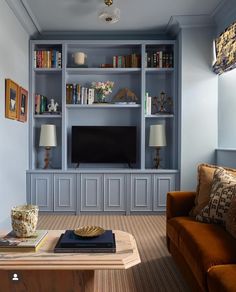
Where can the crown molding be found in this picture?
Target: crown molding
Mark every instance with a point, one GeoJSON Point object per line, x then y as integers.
{"type": "Point", "coordinates": [224, 15]}
{"type": "Point", "coordinates": [178, 22]}
{"type": "Point", "coordinates": [24, 15]}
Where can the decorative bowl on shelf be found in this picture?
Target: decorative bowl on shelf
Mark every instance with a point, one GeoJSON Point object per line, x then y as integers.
{"type": "Point", "coordinates": [89, 231]}
{"type": "Point", "coordinates": [24, 220]}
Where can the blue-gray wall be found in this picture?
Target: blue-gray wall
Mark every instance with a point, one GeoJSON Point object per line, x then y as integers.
{"type": "Point", "coordinates": [199, 101]}
{"type": "Point", "coordinates": [13, 135]}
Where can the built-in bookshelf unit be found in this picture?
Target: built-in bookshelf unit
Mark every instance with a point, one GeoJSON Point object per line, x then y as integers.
{"type": "Point", "coordinates": [147, 71]}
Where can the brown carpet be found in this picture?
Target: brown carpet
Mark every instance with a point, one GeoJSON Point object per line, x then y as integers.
{"type": "Point", "coordinates": [157, 271]}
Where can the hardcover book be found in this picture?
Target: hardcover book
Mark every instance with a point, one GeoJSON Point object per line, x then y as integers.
{"type": "Point", "coordinates": [85, 248]}
{"type": "Point", "coordinates": [11, 243]}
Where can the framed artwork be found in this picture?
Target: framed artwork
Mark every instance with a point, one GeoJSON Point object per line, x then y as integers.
{"type": "Point", "coordinates": [22, 105]}
{"type": "Point", "coordinates": [11, 99]}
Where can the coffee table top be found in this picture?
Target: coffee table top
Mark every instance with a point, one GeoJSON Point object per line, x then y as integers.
{"type": "Point", "coordinates": [126, 256]}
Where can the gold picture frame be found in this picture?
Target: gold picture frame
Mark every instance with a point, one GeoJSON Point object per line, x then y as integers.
{"type": "Point", "coordinates": [11, 99]}
{"type": "Point", "coordinates": [22, 105]}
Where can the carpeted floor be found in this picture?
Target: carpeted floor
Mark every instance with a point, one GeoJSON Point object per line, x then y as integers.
{"type": "Point", "coordinates": [157, 271]}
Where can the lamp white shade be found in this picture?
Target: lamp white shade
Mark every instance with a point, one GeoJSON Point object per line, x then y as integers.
{"type": "Point", "coordinates": [48, 137]}
{"type": "Point", "coordinates": [157, 136]}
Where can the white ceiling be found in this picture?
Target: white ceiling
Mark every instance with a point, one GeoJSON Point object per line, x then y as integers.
{"type": "Point", "coordinates": [136, 15]}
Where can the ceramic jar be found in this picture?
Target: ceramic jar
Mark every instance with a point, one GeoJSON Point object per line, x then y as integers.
{"type": "Point", "coordinates": [24, 220]}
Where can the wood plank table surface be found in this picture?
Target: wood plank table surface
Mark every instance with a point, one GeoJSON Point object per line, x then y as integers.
{"type": "Point", "coordinates": [45, 270]}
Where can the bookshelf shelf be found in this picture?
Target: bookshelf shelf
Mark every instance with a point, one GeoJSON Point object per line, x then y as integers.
{"type": "Point", "coordinates": [47, 70]}
{"type": "Point", "coordinates": [102, 105]}
{"type": "Point", "coordinates": [48, 116]}
{"type": "Point", "coordinates": [159, 116]}
{"type": "Point", "coordinates": [98, 71]}
{"type": "Point", "coordinates": [159, 70]}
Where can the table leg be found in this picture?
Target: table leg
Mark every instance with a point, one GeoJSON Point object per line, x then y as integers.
{"type": "Point", "coordinates": [47, 281]}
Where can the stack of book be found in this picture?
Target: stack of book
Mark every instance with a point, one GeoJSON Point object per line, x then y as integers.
{"type": "Point", "coordinates": [69, 242]}
{"type": "Point", "coordinates": [159, 59]}
{"type": "Point", "coordinates": [11, 243]}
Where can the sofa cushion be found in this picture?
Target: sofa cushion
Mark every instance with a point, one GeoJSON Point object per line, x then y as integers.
{"type": "Point", "coordinates": [205, 177]}
{"type": "Point", "coordinates": [222, 278]}
{"type": "Point", "coordinates": [202, 245]}
{"type": "Point", "coordinates": [230, 221]}
{"type": "Point", "coordinates": [222, 192]}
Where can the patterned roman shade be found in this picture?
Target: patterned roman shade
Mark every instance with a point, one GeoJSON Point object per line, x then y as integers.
{"type": "Point", "coordinates": [225, 46]}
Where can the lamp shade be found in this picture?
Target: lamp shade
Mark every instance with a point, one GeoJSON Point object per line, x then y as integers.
{"type": "Point", "coordinates": [48, 137]}
{"type": "Point", "coordinates": [157, 136]}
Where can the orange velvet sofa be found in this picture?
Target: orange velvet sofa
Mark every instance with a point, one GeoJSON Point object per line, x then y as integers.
{"type": "Point", "coordinates": [205, 253]}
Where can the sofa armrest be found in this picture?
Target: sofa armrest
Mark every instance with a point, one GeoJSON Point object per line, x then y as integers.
{"type": "Point", "coordinates": [179, 203]}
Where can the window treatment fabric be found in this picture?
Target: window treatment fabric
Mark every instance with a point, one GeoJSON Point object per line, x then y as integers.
{"type": "Point", "coordinates": [225, 47]}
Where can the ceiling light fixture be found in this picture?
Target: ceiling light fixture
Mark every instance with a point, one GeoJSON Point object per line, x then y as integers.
{"type": "Point", "coordinates": [109, 14]}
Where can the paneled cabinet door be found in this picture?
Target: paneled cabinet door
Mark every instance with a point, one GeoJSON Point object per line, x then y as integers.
{"type": "Point", "coordinates": [141, 192]}
{"type": "Point", "coordinates": [115, 192]}
{"type": "Point", "coordinates": [91, 192]}
{"type": "Point", "coordinates": [163, 183]}
{"type": "Point", "coordinates": [64, 192]}
{"type": "Point", "coordinates": [41, 191]}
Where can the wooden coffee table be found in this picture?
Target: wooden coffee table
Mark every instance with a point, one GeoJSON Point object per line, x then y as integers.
{"type": "Point", "coordinates": [45, 270]}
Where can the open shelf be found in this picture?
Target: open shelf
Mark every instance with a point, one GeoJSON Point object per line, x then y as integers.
{"type": "Point", "coordinates": [98, 71]}
{"type": "Point", "coordinates": [102, 105]}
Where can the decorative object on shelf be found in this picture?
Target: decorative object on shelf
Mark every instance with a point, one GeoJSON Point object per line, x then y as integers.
{"type": "Point", "coordinates": [24, 220]}
{"type": "Point", "coordinates": [79, 58]}
{"type": "Point", "coordinates": [89, 231]}
{"type": "Point", "coordinates": [225, 50]}
{"type": "Point", "coordinates": [102, 89]}
{"type": "Point", "coordinates": [52, 106]}
{"type": "Point", "coordinates": [125, 95]}
{"type": "Point", "coordinates": [109, 14]}
{"type": "Point", "coordinates": [11, 99]}
{"type": "Point", "coordinates": [163, 104]}
{"type": "Point", "coordinates": [157, 139]}
{"type": "Point", "coordinates": [22, 105]}
{"type": "Point", "coordinates": [47, 139]}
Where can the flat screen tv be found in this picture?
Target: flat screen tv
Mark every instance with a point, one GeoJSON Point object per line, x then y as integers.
{"type": "Point", "coordinates": [103, 144]}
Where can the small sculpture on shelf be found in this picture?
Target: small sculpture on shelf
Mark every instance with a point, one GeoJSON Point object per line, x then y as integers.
{"type": "Point", "coordinates": [162, 104]}
{"type": "Point", "coordinates": [52, 106]}
{"type": "Point", "coordinates": [125, 95]}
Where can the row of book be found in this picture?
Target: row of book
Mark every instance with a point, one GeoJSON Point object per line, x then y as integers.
{"type": "Point", "coordinates": [47, 59]}
{"type": "Point", "coordinates": [78, 94]}
{"type": "Point", "coordinates": [159, 59]}
{"type": "Point", "coordinates": [129, 61]}
{"type": "Point", "coordinates": [41, 103]}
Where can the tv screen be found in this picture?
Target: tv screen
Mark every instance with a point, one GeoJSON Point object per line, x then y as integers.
{"type": "Point", "coordinates": [103, 144]}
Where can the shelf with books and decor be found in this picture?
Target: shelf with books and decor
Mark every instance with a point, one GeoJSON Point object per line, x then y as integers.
{"type": "Point", "coordinates": [143, 96]}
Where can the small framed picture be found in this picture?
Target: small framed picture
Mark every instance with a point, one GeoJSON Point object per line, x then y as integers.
{"type": "Point", "coordinates": [22, 105]}
{"type": "Point", "coordinates": [11, 99]}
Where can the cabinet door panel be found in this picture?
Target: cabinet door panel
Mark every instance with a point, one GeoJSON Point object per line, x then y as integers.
{"type": "Point", "coordinates": [42, 191]}
{"type": "Point", "coordinates": [115, 192]}
{"type": "Point", "coordinates": [141, 192]}
{"type": "Point", "coordinates": [65, 192]}
{"type": "Point", "coordinates": [163, 183]}
{"type": "Point", "coordinates": [92, 192]}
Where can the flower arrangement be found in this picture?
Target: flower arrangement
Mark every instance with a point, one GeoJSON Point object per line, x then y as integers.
{"type": "Point", "coordinates": [102, 89]}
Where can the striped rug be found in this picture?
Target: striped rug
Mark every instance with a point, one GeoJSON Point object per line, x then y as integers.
{"type": "Point", "coordinates": [157, 271]}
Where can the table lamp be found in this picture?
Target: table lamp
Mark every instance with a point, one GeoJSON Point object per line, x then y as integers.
{"type": "Point", "coordinates": [47, 139]}
{"type": "Point", "coordinates": [157, 139]}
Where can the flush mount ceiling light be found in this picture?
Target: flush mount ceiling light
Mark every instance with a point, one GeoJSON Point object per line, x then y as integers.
{"type": "Point", "coordinates": [109, 14]}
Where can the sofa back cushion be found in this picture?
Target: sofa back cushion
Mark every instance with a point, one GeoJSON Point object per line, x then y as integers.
{"type": "Point", "coordinates": [205, 178]}
{"type": "Point", "coordinates": [222, 193]}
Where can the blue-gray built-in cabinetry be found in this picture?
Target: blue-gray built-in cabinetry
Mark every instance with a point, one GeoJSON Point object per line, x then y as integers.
{"type": "Point", "coordinates": [98, 188]}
